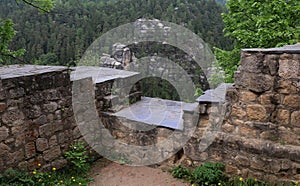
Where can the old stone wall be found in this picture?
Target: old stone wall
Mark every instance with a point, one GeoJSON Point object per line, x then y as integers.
{"type": "Point", "coordinates": [260, 134]}
{"type": "Point", "coordinates": [37, 123]}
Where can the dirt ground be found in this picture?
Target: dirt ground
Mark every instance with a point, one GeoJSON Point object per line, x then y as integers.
{"type": "Point", "coordinates": [106, 173]}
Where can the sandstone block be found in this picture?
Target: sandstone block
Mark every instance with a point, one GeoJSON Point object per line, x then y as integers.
{"type": "Point", "coordinates": [4, 149]}
{"type": "Point", "coordinates": [256, 112]}
{"type": "Point", "coordinates": [238, 112]}
{"type": "Point", "coordinates": [12, 116]}
{"type": "Point", "coordinates": [16, 93]}
{"type": "Point", "coordinates": [46, 130]}
{"type": "Point", "coordinates": [30, 150]}
{"type": "Point", "coordinates": [267, 99]}
{"type": "Point", "coordinates": [51, 107]}
{"type": "Point", "coordinates": [289, 68]}
{"type": "Point", "coordinates": [272, 62]}
{"type": "Point", "coordinates": [229, 169]}
{"type": "Point", "coordinates": [247, 96]}
{"type": "Point", "coordinates": [247, 132]}
{"type": "Point", "coordinates": [228, 128]}
{"type": "Point", "coordinates": [253, 63]}
{"type": "Point", "coordinates": [3, 133]}
{"type": "Point", "coordinates": [16, 157]}
{"type": "Point", "coordinates": [2, 107]}
{"type": "Point", "coordinates": [41, 144]}
{"type": "Point", "coordinates": [52, 153]}
{"type": "Point", "coordinates": [292, 101]}
{"type": "Point", "coordinates": [281, 116]}
{"type": "Point", "coordinates": [295, 119]}
{"type": "Point", "coordinates": [254, 82]}
{"type": "Point", "coordinates": [242, 160]}
{"type": "Point", "coordinates": [53, 141]}
{"type": "Point", "coordinates": [287, 86]}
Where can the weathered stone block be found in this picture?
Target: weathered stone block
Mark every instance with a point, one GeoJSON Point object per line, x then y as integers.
{"type": "Point", "coordinates": [287, 86]}
{"type": "Point", "coordinates": [20, 140]}
{"type": "Point", "coordinates": [51, 107]}
{"type": "Point", "coordinates": [289, 68]}
{"type": "Point", "coordinates": [295, 119]}
{"type": "Point", "coordinates": [281, 116]}
{"type": "Point", "coordinates": [292, 101]}
{"type": "Point", "coordinates": [253, 63]}
{"type": "Point", "coordinates": [272, 62]}
{"type": "Point", "coordinates": [41, 144]}
{"type": "Point", "coordinates": [229, 169]}
{"type": "Point", "coordinates": [247, 96]}
{"type": "Point", "coordinates": [2, 107]}
{"type": "Point", "coordinates": [247, 132]}
{"type": "Point", "coordinates": [4, 149]}
{"type": "Point", "coordinates": [256, 112]}
{"type": "Point", "coordinates": [30, 150]}
{"type": "Point", "coordinates": [3, 133]}
{"type": "Point", "coordinates": [52, 153]}
{"type": "Point", "coordinates": [16, 93]}
{"type": "Point", "coordinates": [53, 141]}
{"type": "Point", "coordinates": [238, 112]}
{"type": "Point", "coordinates": [242, 160]}
{"type": "Point", "coordinates": [12, 116]}
{"type": "Point", "coordinates": [254, 82]}
{"type": "Point", "coordinates": [228, 128]}
{"type": "Point", "coordinates": [268, 99]}
{"type": "Point", "coordinates": [16, 156]}
{"type": "Point", "coordinates": [45, 130]}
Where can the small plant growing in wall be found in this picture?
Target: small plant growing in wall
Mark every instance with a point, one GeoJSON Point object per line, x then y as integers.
{"type": "Point", "coordinates": [77, 155]}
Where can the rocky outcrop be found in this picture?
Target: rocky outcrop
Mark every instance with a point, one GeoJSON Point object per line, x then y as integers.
{"type": "Point", "coordinates": [120, 58]}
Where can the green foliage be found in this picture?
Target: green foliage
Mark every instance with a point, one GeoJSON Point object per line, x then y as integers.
{"type": "Point", "coordinates": [229, 62]}
{"type": "Point", "coordinates": [206, 174]}
{"type": "Point", "coordinates": [209, 174]}
{"type": "Point", "coordinates": [198, 92]}
{"type": "Point", "coordinates": [212, 174]}
{"type": "Point", "coordinates": [42, 5]}
{"type": "Point", "coordinates": [67, 177]}
{"type": "Point", "coordinates": [181, 172]}
{"type": "Point", "coordinates": [77, 155]}
{"type": "Point", "coordinates": [12, 177]}
{"type": "Point", "coordinates": [258, 24]}
{"type": "Point", "coordinates": [72, 26]}
{"type": "Point", "coordinates": [262, 23]}
{"type": "Point", "coordinates": [7, 33]}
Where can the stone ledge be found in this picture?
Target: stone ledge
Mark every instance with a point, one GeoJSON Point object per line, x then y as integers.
{"type": "Point", "coordinates": [293, 49]}
{"type": "Point", "coordinates": [256, 146]}
{"type": "Point", "coordinates": [14, 71]}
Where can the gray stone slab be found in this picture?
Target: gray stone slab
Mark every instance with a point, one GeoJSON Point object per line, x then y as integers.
{"type": "Point", "coordinates": [158, 112]}
{"type": "Point", "coordinates": [295, 49]}
{"type": "Point", "coordinates": [216, 95]}
{"type": "Point", "coordinates": [99, 74]}
{"type": "Point", "coordinates": [14, 71]}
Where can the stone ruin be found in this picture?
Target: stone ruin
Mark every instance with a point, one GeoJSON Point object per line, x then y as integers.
{"type": "Point", "coordinates": [258, 137]}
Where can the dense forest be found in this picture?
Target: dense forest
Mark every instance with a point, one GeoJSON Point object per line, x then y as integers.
{"type": "Point", "coordinates": [61, 36]}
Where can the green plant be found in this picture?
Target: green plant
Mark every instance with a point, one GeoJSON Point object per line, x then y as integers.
{"type": "Point", "coordinates": [12, 177]}
{"type": "Point", "coordinates": [77, 155]}
{"type": "Point", "coordinates": [181, 173]}
{"type": "Point", "coordinates": [209, 174]}
{"type": "Point", "coordinates": [198, 92]}
{"type": "Point", "coordinates": [66, 177]}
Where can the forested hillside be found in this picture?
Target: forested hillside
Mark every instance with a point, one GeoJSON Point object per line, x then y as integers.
{"type": "Point", "coordinates": [61, 36]}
